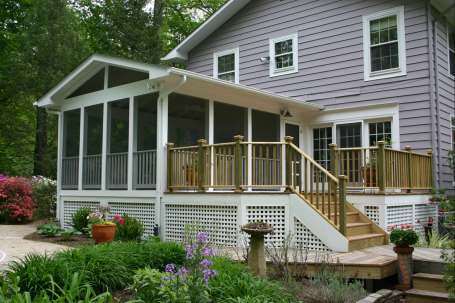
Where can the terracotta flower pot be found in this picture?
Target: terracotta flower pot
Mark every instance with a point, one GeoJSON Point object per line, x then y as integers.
{"type": "Point", "coordinates": [367, 179]}
{"type": "Point", "coordinates": [103, 233]}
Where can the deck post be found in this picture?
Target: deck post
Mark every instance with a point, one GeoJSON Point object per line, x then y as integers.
{"type": "Point", "coordinates": [201, 165]}
{"type": "Point", "coordinates": [170, 166]}
{"type": "Point", "coordinates": [238, 164]}
{"type": "Point", "coordinates": [342, 179]}
{"type": "Point", "coordinates": [430, 153]}
{"type": "Point", "coordinates": [333, 162]}
{"type": "Point", "coordinates": [288, 140]}
{"type": "Point", "coordinates": [381, 166]}
{"type": "Point", "coordinates": [409, 150]}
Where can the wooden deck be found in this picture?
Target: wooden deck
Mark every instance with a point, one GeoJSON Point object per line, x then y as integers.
{"type": "Point", "coordinates": [369, 263]}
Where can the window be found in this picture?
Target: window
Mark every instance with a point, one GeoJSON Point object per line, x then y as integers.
{"type": "Point", "coordinates": [226, 65]}
{"type": "Point", "coordinates": [283, 55]}
{"type": "Point", "coordinates": [451, 48]}
{"type": "Point", "coordinates": [384, 44]}
{"type": "Point", "coordinates": [380, 131]}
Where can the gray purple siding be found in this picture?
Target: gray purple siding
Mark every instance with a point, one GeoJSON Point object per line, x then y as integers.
{"type": "Point", "coordinates": [330, 35]}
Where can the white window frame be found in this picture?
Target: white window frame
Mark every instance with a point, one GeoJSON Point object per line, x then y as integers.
{"type": "Point", "coordinates": [286, 70]}
{"type": "Point", "coordinates": [234, 51]}
{"type": "Point", "coordinates": [393, 72]}
{"type": "Point", "coordinates": [448, 52]}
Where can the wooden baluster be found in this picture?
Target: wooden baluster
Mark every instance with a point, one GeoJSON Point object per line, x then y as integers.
{"type": "Point", "coordinates": [274, 165]}
{"type": "Point", "coordinates": [381, 166]}
{"type": "Point", "coordinates": [238, 164]}
{"type": "Point", "coordinates": [267, 164]}
{"type": "Point", "coordinates": [294, 159]}
{"type": "Point", "coordinates": [329, 198]}
{"type": "Point", "coordinates": [317, 189]}
{"type": "Point", "coordinates": [247, 164]}
{"type": "Point", "coordinates": [311, 182]}
{"type": "Point", "coordinates": [288, 140]}
{"type": "Point", "coordinates": [261, 176]}
{"type": "Point", "coordinates": [409, 172]}
{"type": "Point", "coordinates": [201, 165]}
{"type": "Point", "coordinates": [335, 200]}
{"type": "Point", "coordinates": [229, 170]}
{"type": "Point", "coordinates": [253, 156]}
{"type": "Point", "coordinates": [220, 165]}
{"type": "Point", "coordinates": [342, 179]}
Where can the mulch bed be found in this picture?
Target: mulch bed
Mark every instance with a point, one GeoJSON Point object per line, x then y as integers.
{"type": "Point", "coordinates": [75, 240]}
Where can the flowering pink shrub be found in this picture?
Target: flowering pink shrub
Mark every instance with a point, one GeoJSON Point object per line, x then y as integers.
{"type": "Point", "coordinates": [16, 202]}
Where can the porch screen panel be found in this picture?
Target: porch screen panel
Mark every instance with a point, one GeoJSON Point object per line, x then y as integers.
{"type": "Point", "coordinates": [266, 128]}
{"type": "Point", "coordinates": [117, 157]}
{"type": "Point", "coordinates": [146, 137]}
{"type": "Point", "coordinates": [229, 121]}
{"type": "Point", "coordinates": [70, 159]}
{"type": "Point", "coordinates": [187, 118]}
{"type": "Point", "coordinates": [94, 147]}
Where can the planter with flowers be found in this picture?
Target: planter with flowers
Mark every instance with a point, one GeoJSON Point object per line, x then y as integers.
{"type": "Point", "coordinates": [103, 229]}
{"type": "Point", "coordinates": [256, 255]}
{"type": "Point", "coordinates": [403, 236]}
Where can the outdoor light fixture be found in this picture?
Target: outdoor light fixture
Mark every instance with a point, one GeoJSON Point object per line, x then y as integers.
{"type": "Point", "coordinates": [264, 59]}
{"type": "Point", "coordinates": [285, 112]}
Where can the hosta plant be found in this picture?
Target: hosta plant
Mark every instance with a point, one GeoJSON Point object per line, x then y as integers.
{"type": "Point", "coordinates": [404, 233]}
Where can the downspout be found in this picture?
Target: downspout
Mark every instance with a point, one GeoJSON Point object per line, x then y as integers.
{"type": "Point", "coordinates": [162, 167]}
{"type": "Point", "coordinates": [432, 88]}
{"type": "Point", "coordinates": [59, 161]}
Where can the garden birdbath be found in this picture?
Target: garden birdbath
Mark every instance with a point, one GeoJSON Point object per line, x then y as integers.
{"type": "Point", "coordinates": [256, 255]}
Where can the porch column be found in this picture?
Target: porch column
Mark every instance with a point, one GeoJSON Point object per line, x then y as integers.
{"type": "Point", "coordinates": [82, 148]}
{"type": "Point", "coordinates": [105, 147]}
{"type": "Point", "coordinates": [250, 148]}
{"type": "Point", "coordinates": [288, 167]}
{"type": "Point", "coordinates": [131, 142]}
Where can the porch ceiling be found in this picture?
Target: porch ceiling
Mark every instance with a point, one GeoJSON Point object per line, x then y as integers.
{"type": "Point", "coordinates": [220, 90]}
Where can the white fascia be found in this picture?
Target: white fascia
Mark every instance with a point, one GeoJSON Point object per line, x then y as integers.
{"type": "Point", "coordinates": [179, 54]}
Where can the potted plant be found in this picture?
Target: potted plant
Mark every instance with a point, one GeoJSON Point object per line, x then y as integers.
{"type": "Point", "coordinates": [437, 195]}
{"type": "Point", "coordinates": [102, 229]}
{"type": "Point", "coordinates": [370, 173]}
{"type": "Point", "coordinates": [402, 238]}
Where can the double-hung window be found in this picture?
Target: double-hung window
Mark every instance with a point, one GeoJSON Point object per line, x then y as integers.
{"type": "Point", "coordinates": [384, 44]}
{"type": "Point", "coordinates": [283, 55]}
{"type": "Point", "coordinates": [226, 65]}
{"type": "Point", "coordinates": [451, 49]}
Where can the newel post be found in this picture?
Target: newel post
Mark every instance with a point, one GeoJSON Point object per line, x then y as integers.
{"type": "Point", "coordinates": [342, 184]}
{"type": "Point", "coordinates": [170, 166]}
{"type": "Point", "coordinates": [333, 159]}
{"type": "Point", "coordinates": [409, 150]}
{"type": "Point", "coordinates": [288, 140]}
{"type": "Point", "coordinates": [201, 164]}
{"type": "Point", "coordinates": [381, 166]}
{"type": "Point", "coordinates": [238, 164]}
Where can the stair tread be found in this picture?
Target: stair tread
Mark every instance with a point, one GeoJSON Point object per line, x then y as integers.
{"type": "Point", "coordinates": [428, 276]}
{"type": "Point", "coordinates": [427, 293]}
{"type": "Point", "coordinates": [357, 224]}
{"type": "Point", "coordinates": [347, 214]}
{"type": "Point", "coordinates": [365, 236]}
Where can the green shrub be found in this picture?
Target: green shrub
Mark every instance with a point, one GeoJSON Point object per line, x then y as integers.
{"type": "Point", "coordinates": [131, 229]}
{"type": "Point", "coordinates": [233, 284]}
{"type": "Point", "coordinates": [49, 230]}
{"type": "Point", "coordinates": [68, 233]}
{"type": "Point", "coordinates": [45, 194]}
{"type": "Point", "coordinates": [72, 291]}
{"type": "Point", "coordinates": [79, 218]}
{"type": "Point", "coordinates": [147, 285]}
{"type": "Point", "coordinates": [105, 266]}
{"type": "Point", "coordinates": [437, 240]}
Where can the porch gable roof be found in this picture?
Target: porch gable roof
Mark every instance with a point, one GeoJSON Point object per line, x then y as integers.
{"type": "Point", "coordinates": [52, 99]}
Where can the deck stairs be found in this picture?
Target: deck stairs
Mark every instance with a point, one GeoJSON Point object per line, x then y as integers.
{"type": "Point", "coordinates": [427, 288]}
{"type": "Point", "coordinates": [362, 232]}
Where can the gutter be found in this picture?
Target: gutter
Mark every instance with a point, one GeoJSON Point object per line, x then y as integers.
{"type": "Point", "coordinates": [432, 89]}
{"type": "Point", "coordinates": [245, 88]}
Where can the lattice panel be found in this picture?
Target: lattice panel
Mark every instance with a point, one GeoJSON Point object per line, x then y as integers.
{"type": "Point", "coordinates": [372, 212]}
{"type": "Point", "coordinates": [397, 215]}
{"type": "Point", "coordinates": [306, 239]}
{"type": "Point", "coordinates": [423, 212]}
{"type": "Point", "coordinates": [218, 221]}
{"type": "Point", "coordinates": [145, 212]}
{"type": "Point", "coordinates": [70, 207]}
{"type": "Point", "coordinates": [272, 215]}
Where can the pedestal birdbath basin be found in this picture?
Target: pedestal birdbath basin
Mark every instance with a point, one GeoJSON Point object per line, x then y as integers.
{"type": "Point", "coordinates": [256, 255]}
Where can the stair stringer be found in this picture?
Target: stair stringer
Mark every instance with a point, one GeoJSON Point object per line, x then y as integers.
{"type": "Point", "coordinates": [318, 225]}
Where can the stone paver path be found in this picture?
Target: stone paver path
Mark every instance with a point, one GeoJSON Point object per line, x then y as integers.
{"type": "Point", "coordinates": [13, 246]}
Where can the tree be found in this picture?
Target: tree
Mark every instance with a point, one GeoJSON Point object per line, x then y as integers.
{"type": "Point", "coordinates": [48, 45]}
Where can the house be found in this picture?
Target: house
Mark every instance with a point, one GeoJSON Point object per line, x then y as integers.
{"type": "Point", "coordinates": [376, 78]}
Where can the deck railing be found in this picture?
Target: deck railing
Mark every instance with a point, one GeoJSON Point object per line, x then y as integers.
{"type": "Point", "coordinates": [145, 169]}
{"type": "Point", "coordinates": [259, 165]}
{"type": "Point", "coordinates": [117, 171]}
{"type": "Point", "coordinates": [70, 175]}
{"type": "Point", "coordinates": [379, 167]}
{"type": "Point", "coordinates": [92, 172]}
